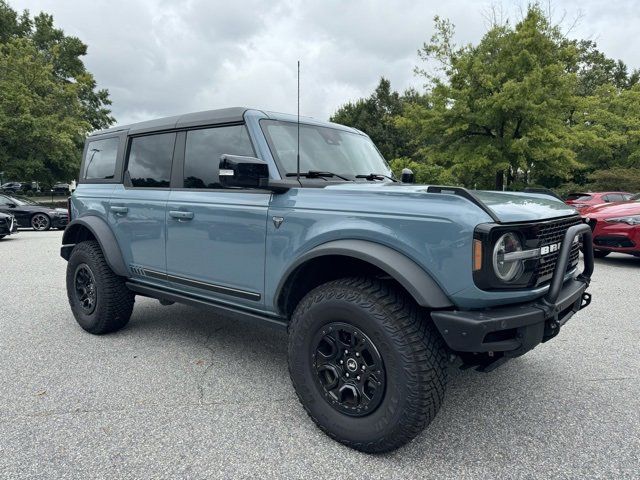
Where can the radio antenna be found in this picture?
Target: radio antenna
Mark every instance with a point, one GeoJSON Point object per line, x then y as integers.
{"type": "Point", "coordinates": [298, 129]}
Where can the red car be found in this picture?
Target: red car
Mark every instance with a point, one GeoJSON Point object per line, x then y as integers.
{"type": "Point", "coordinates": [580, 201]}
{"type": "Point", "coordinates": [616, 227]}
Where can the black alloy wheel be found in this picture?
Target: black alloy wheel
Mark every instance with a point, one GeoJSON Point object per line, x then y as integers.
{"type": "Point", "coordinates": [85, 288]}
{"type": "Point", "coordinates": [349, 369]}
{"type": "Point", "coordinates": [40, 222]}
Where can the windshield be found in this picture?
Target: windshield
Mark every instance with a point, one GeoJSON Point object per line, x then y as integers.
{"type": "Point", "coordinates": [22, 201]}
{"type": "Point", "coordinates": [323, 149]}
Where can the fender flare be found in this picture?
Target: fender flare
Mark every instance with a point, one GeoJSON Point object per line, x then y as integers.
{"type": "Point", "coordinates": [105, 237]}
{"type": "Point", "coordinates": [420, 285]}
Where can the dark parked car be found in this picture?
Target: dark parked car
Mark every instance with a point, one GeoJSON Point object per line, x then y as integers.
{"type": "Point", "coordinates": [8, 225]}
{"type": "Point", "coordinates": [32, 214]}
{"type": "Point", "coordinates": [61, 189]}
{"type": "Point", "coordinates": [12, 187]}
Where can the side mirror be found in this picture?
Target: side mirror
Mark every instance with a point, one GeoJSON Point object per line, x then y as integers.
{"type": "Point", "coordinates": [11, 205]}
{"type": "Point", "coordinates": [243, 172]}
{"type": "Point", "coordinates": [407, 176]}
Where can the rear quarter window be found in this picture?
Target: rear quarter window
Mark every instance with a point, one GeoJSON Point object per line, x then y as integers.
{"type": "Point", "coordinates": [100, 159]}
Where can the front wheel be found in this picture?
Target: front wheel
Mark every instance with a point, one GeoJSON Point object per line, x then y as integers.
{"type": "Point", "coordinates": [99, 299]}
{"type": "Point", "coordinates": [366, 363]}
{"type": "Point", "coordinates": [40, 222]}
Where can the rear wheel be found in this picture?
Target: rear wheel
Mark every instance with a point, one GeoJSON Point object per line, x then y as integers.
{"type": "Point", "coordinates": [600, 253]}
{"type": "Point", "coordinates": [40, 222]}
{"type": "Point", "coordinates": [2, 236]}
{"type": "Point", "coordinates": [99, 299]}
{"type": "Point", "coordinates": [367, 364]}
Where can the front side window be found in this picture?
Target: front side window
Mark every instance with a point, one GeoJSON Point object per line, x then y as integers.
{"type": "Point", "coordinates": [323, 149]}
{"type": "Point", "coordinates": [150, 160]}
{"type": "Point", "coordinates": [204, 148]}
{"type": "Point", "coordinates": [100, 159]}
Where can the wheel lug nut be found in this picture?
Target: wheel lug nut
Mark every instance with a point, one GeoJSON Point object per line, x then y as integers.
{"type": "Point", "coordinates": [357, 354]}
{"type": "Point", "coordinates": [346, 352]}
{"type": "Point", "coordinates": [341, 362]}
{"type": "Point", "coordinates": [364, 367]}
{"type": "Point", "coordinates": [347, 374]}
{"type": "Point", "coordinates": [358, 378]}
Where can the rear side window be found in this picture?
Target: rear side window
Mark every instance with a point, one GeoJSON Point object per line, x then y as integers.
{"type": "Point", "coordinates": [100, 159]}
{"type": "Point", "coordinates": [613, 197]}
{"type": "Point", "coordinates": [204, 148]}
{"type": "Point", "coordinates": [150, 159]}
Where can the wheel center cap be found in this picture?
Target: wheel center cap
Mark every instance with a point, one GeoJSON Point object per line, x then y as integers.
{"type": "Point", "coordinates": [352, 365]}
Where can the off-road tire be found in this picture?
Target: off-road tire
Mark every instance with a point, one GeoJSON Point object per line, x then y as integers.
{"type": "Point", "coordinates": [412, 351]}
{"type": "Point", "coordinates": [114, 301]}
{"type": "Point", "coordinates": [600, 253]}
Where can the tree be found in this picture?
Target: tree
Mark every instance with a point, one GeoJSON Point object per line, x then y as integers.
{"type": "Point", "coordinates": [499, 108]}
{"type": "Point", "coordinates": [48, 100]}
{"type": "Point", "coordinates": [375, 116]}
{"type": "Point", "coordinates": [41, 124]}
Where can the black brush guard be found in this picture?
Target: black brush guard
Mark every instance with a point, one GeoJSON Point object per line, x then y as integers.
{"type": "Point", "coordinates": [510, 331]}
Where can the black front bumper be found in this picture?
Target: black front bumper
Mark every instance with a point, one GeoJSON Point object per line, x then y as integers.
{"type": "Point", "coordinates": [9, 228]}
{"type": "Point", "coordinates": [516, 329]}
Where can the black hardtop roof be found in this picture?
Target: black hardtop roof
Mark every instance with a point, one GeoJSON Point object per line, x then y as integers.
{"type": "Point", "coordinates": [208, 117]}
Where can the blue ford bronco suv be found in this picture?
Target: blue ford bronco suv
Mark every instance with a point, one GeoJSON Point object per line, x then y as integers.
{"type": "Point", "coordinates": [380, 283]}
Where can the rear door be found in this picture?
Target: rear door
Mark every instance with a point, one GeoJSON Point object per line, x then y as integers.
{"type": "Point", "coordinates": [137, 207]}
{"type": "Point", "coordinates": [215, 236]}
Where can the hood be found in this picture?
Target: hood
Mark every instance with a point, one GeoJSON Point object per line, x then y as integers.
{"type": "Point", "coordinates": [508, 207]}
{"type": "Point", "coordinates": [617, 209]}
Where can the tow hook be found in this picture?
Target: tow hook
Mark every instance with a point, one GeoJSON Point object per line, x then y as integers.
{"type": "Point", "coordinates": [585, 301]}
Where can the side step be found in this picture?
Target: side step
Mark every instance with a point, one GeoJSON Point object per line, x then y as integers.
{"type": "Point", "coordinates": [219, 308]}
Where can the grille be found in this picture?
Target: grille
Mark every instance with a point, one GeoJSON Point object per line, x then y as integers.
{"type": "Point", "coordinates": [613, 241]}
{"type": "Point", "coordinates": [549, 234]}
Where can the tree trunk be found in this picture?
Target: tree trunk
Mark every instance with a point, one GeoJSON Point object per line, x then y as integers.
{"type": "Point", "coordinates": [500, 180]}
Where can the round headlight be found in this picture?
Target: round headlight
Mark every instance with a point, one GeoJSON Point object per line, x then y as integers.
{"type": "Point", "coordinates": [507, 269]}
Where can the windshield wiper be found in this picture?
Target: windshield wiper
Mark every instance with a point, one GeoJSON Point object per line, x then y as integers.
{"type": "Point", "coordinates": [376, 176]}
{"type": "Point", "coordinates": [317, 174]}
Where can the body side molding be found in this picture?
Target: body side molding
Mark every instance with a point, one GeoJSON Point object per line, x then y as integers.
{"type": "Point", "coordinates": [105, 237]}
{"type": "Point", "coordinates": [420, 285]}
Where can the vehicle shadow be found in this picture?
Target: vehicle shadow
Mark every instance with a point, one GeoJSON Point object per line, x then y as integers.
{"type": "Point", "coordinates": [622, 261]}
{"type": "Point", "coordinates": [528, 401]}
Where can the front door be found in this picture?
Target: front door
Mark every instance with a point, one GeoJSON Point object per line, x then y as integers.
{"type": "Point", "coordinates": [216, 237]}
{"type": "Point", "coordinates": [137, 210]}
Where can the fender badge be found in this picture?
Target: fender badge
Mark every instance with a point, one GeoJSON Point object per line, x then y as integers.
{"type": "Point", "coordinates": [277, 221]}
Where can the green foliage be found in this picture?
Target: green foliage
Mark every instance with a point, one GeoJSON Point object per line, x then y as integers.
{"type": "Point", "coordinates": [614, 178]}
{"type": "Point", "coordinates": [502, 105]}
{"type": "Point", "coordinates": [525, 106]}
{"type": "Point", "coordinates": [424, 173]}
{"type": "Point", "coordinates": [375, 115]}
{"type": "Point", "coordinates": [48, 100]}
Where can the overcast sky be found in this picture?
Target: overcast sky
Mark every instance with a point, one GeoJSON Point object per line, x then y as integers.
{"type": "Point", "coordinates": [161, 57]}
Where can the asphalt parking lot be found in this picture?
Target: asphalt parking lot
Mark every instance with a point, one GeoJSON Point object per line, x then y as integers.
{"type": "Point", "coordinates": [179, 394]}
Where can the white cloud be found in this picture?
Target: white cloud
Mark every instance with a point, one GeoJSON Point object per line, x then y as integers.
{"type": "Point", "coordinates": [161, 57]}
